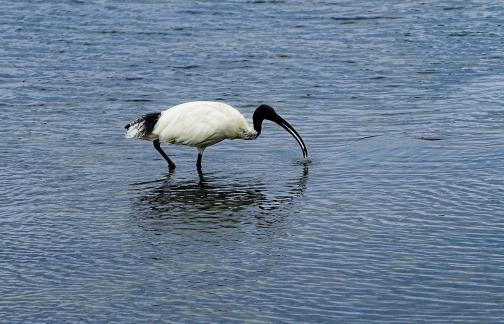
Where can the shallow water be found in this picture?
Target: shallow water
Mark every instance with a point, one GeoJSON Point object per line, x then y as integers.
{"type": "Point", "coordinates": [381, 224]}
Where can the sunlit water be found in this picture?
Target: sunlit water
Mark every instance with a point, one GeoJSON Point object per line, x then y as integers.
{"type": "Point", "coordinates": [381, 224]}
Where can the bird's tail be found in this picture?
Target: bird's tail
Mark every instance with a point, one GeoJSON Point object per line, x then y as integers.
{"type": "Point", "coordinates": [143, 126]}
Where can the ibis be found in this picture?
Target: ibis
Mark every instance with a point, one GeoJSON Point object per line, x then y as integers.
{"type": "Point", "coordinates": [203, 123]}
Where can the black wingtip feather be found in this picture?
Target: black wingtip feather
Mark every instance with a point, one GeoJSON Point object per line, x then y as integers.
{"type": "Point", "coordinates": [144, 124]}
{"type": "Point", "coordinates": [150, 121]}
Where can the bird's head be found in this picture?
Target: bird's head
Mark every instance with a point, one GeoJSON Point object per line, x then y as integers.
{"type": "Point", "coordinates": [266, 112]}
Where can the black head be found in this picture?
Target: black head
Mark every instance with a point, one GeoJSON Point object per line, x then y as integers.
{"type": "Point", "coordinates": [261, 113]}
{"type": "Point", "coordinates": [266, 112]}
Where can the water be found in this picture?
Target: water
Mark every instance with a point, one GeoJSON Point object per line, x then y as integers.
{"type": "Point", "coordinates": [389, 228]}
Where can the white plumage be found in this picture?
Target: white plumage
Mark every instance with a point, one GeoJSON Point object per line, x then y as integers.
{"type": "Point", "coordinates": [201, 124]}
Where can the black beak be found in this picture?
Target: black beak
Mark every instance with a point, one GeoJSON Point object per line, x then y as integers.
{"type": "Point", "coordinates": [266, 112]}
{"type": "Point", "coordinates": [282, 122]}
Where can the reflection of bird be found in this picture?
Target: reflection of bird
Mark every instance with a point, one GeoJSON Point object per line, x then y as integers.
{"type": "Point", "coordinates": [221, 201]}
{"type": "Point", "coordinates": [207, 195]}
{"type": "Point", "coordinates": [201, 124]}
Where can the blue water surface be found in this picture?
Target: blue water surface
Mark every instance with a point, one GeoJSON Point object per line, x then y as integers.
{"type": "Point", "coordinates": [397, 216]}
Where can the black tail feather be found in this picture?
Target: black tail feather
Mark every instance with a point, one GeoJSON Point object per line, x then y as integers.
{"type": "Point", "coordinates": [149, 121]}
{"type": "Point", "coordinates": [144, 125]}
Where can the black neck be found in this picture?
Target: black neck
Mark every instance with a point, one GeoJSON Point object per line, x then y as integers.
{"type": "Point", "coordinates": [261, 113]}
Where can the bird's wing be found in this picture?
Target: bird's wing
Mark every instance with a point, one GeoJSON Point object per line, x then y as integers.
{"type": "Point", "coordinates": [199, 124]}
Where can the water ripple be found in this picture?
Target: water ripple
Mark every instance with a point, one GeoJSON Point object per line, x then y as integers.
{"type": "Point", "coordinates": [396, 217]}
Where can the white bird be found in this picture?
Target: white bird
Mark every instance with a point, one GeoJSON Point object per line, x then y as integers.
{"type": "Point", "coordinates": [201, 124]}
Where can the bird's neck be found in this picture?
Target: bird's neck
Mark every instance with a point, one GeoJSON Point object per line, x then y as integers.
{"type": "Point", "coordinates": [257, 119]}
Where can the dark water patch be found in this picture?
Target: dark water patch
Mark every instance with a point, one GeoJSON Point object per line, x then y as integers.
{"type": "Point", "coordinates": [459, 34]}
{"type": "Point", "coordinates": [427, 72]}
{"type": "Point", "coordinates": [161, 33]}
{"type": "Point", "coordinates": [428, 138]}
{"type": "Point", "coordinates": [185, 67]}
{"type": "Point", "coordinates": [137, 100]}
{"type": "Point", "coordinates": [192, 12]}
{"type": "Point", "coordinates": [449, 8]}
{"type": "Point", "coordinates": [112, 32]}
{"type": "Point", "coordinates": [362, 18]}
{"type": "Point", "coordinates": [267, 1]}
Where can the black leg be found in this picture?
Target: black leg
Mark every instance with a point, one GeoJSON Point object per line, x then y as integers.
{"type": "Point", "coordinates": [171, 165]}
{"type": "Point", "coordinates": [198, 163]}
{"type": "Point", "coordinates": [202, 179]}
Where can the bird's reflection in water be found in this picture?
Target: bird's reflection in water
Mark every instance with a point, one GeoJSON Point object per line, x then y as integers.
{"type": "Point", "coordinates": [212, 202]}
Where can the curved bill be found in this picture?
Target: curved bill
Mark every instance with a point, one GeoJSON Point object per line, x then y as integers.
{"type": "Point", "coordinates": [282, 122]}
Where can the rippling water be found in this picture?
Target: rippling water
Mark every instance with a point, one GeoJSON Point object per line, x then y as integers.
{"type": "Point", "coordinates": [398, 215]}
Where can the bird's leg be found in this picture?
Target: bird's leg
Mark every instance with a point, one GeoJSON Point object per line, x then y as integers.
{"type": "Point", "coordinates": [202, 180]}
{"type": "Point", "coordinates": [157, 145]}
{"type": "Point", "coordinates": [198, 163]}
{"type": "Point", "coordinates": [200, 157]}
